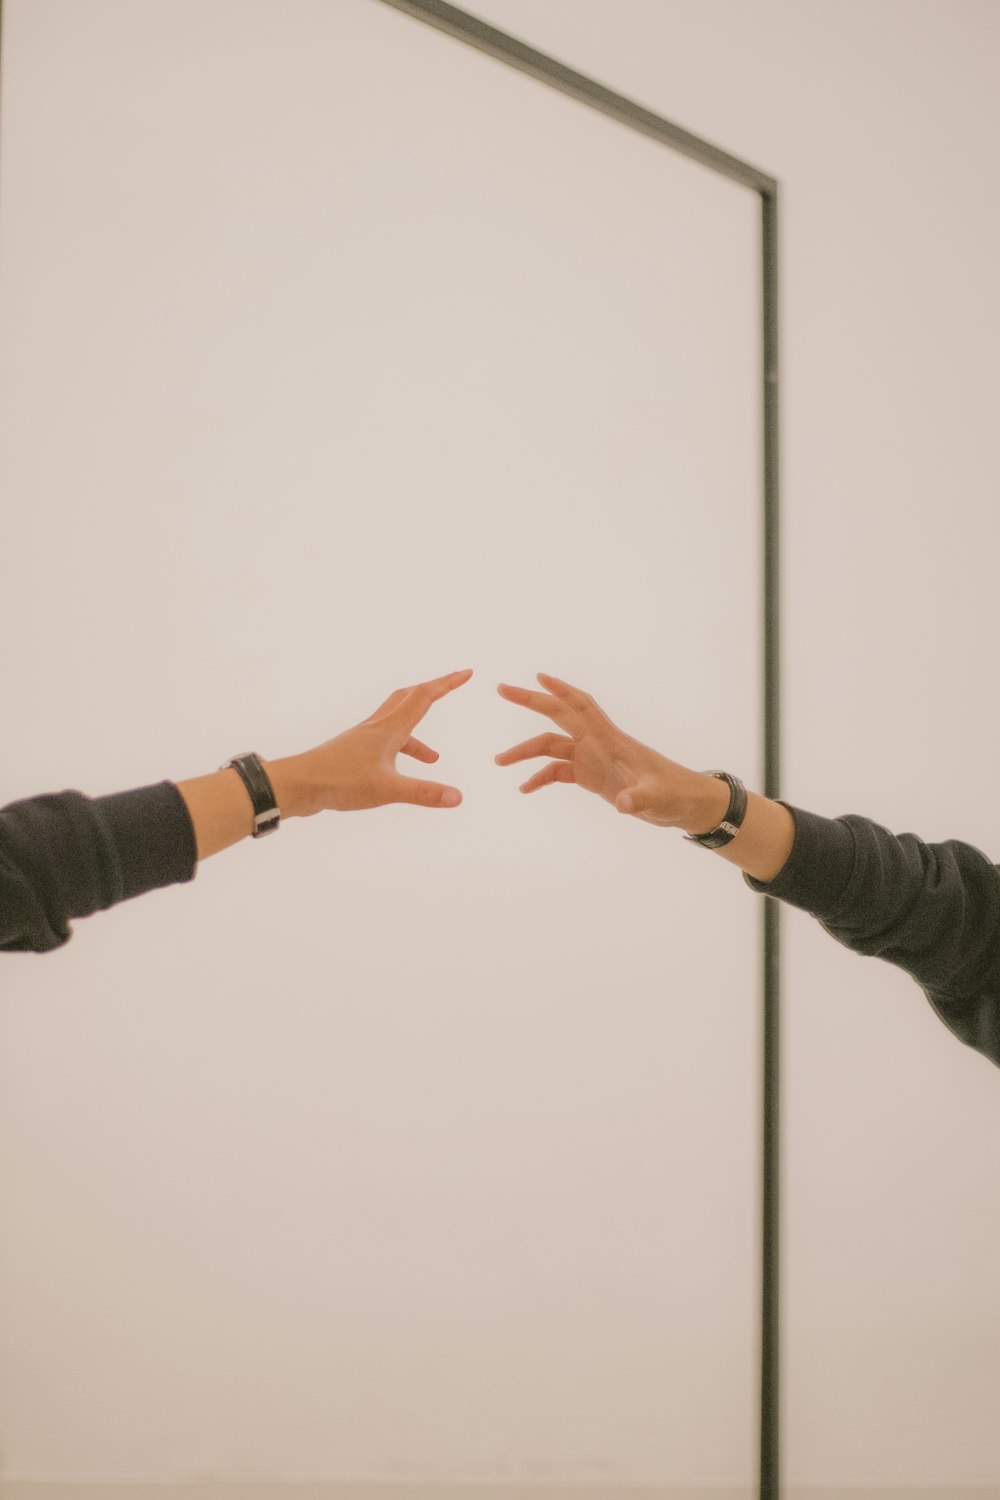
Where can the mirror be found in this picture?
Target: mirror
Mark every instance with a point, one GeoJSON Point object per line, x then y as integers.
{"type": "Point", "coordinates": [338, 356]}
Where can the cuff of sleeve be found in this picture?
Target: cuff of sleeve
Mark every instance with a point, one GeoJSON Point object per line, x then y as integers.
{"type": "Point", "coordinates": [153, 835]}
{"type": "Point", "coordinates": [819, 868]}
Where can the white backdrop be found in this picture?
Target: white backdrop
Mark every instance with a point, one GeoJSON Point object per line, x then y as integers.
{"type": "Point", "coordinates": [406, 1143]}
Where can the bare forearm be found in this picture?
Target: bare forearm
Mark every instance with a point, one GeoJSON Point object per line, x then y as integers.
{"type": "Point", "coordinates": [765, 840]}
{"type": "Point", "coordinates": [220, 806]}
{"type": "Point", "coordinates": [222, 814]}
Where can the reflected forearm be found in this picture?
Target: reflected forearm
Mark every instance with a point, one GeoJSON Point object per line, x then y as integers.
{"type": "Point", "coordinates": [222, 815]}
{"type": "Point", "coordinates": [765, 840]}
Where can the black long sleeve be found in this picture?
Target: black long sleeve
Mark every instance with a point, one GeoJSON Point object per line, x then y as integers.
{"type": "Point", "coordinates": [65, 855]}
{"type": "Point", "coordinates": [931, 909]}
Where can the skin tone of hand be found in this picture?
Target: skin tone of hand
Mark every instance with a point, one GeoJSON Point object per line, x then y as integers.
{"type": "Point", "coordinates": [597, 755]}
{"type": "Point", "coordinates": [357, 769]}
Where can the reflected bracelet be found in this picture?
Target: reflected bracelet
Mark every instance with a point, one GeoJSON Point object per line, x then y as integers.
{"type": "Point", "coordinates": [731, 824]}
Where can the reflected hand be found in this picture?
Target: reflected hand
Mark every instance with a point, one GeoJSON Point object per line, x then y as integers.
{"type": "Point", "coordinates": [357, 769]}
{"type": "Point", "coordinates": [597, 755]}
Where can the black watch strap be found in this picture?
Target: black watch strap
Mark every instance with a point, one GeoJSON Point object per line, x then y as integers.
{"type": "Point", "coordinates": [258, 784]}
{"type": "Point", "coordinates": [719, 837]}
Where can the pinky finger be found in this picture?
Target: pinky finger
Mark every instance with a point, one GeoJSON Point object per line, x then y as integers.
{"type": "Point", "coordinates": [556, 770]}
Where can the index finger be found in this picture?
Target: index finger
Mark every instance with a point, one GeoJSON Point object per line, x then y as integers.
{"type": "Point", "coordinates": [417, 700]}
{"type": "Point", "coordinates": [574, 696]}
{"type": "Point", "coordinates": [540, 703]}
{"type": "Point", "coordinates": [438, 686]}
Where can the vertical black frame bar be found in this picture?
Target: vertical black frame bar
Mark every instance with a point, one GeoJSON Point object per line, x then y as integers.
{"type": "Point", "coordinates": [497, 44]}
{"type": "Point", "coordinates": [508, 49]}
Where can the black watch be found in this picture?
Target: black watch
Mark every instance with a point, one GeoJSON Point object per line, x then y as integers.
{"type": "Point", "coordinates": [258, 784]}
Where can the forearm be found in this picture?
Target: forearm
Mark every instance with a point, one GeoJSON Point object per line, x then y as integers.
{"type": "Point", "coordinates": [220, 807]}
{"type": "Point", "coordinates": [222, 814]}
{"type": "Point", "coordinates": [765, 840]}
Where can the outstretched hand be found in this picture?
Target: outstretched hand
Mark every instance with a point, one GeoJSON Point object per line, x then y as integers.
{"type": "Point", "coordinates": [357, 769]}
{"type": "Point", "coordinates": [597, 755]}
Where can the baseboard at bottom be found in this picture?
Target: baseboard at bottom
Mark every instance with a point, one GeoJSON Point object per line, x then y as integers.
{"type": "Point", "coordinates": [13, 1489]}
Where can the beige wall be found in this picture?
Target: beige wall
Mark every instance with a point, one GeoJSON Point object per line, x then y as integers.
{"type": "Point", "coordinates": [400, 1147]}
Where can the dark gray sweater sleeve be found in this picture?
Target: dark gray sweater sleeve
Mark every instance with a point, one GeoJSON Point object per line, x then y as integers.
{"type": "Point", "coordinates": [65, 855]}
{"type": "Point", "coordinates": [931, 909]}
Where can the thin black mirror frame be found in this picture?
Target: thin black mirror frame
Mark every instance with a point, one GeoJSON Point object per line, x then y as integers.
{"type": "Point", "coordinates": [497, 44]}
{"type": "Point", "coordinates": [546, 69]}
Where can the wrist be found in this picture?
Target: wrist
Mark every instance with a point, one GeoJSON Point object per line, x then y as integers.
{"type": "Point", "coordinates": [291, 786]}
{"type": "Point", "coordinates": [764, 843]}
{"type": "Point", "coordinates": [708, 803]}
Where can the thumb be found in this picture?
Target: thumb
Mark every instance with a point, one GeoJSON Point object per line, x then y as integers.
{"type": "Point", "coordinates": [426, 793]}
{"type": "Point", "coordinates": [625, 799]}
{"type": "Point", "coordinates": [636, 799]}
